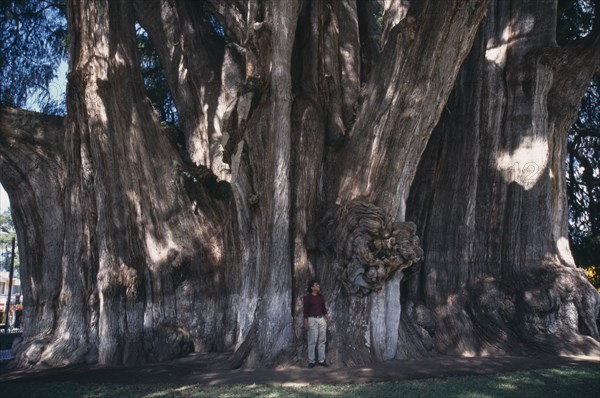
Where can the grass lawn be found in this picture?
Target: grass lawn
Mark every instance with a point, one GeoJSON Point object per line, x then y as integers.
{"type": "Point", "coordinates": [581, 381]}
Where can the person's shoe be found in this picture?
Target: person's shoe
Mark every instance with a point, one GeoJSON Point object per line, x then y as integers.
{"type": "Point", "coordinates": [311, 365]}
{"type": "Point", "coordinates": [323, 364]}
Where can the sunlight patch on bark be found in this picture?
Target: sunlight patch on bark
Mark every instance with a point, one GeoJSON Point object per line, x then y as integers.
{"type": "Point", "coordinates": [525, 164]}
{"type": "Point", "coordinates": [348, 53]}
{"type": "Point", "coordinates": [119, 60]}
{"type": "Point", "coordinates": [158, 251]}
{"type": "Point", "coordinates": [236, 160]}
{"type": "Point", "coordinates": [220, 138]}
{"type": "Point", "coordinates": [183, 71]}
{"type": "Point", "coordinates": [496, 53]}
{"type": "Point", "coordinates": [564, 251]}
{"type": "Point", "coordinates": [95, 102]}
{"type": "Point", "coordinates": [523, 25]}
{"type": "Point", "coordinates": [516, 30]}
{"type": "Point", "coordinates": [214, 246]}
{"type": "Point", "coordinates": [385, 317]}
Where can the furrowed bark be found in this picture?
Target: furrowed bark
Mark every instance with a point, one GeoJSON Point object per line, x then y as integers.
{"type": "Point", "coordinates": [33, 173]}
{"type": "Point", "coordinates": [195, 62]}
{"type": "Point", "coordinates": [492, 181]}
{"type": "Point", "coordinates": [138, 249]}
{"type": "Point", "coordinates": [416, 71]}
{"type": "Point", "coordinates": [134, 241]}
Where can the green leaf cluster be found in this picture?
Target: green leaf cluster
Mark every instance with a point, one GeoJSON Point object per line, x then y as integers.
{"type": "Point", "coordinates": [578, 20]}
{"type": "Point", "coordinates": [583, 180]}
{"type": "Point", "coordinates": [155, 79]}
{"type": "Point", "coordinates": [32, 45]}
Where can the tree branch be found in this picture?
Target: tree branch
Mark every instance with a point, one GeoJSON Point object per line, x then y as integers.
{"type": "Point", "coordinates": [574, 66]}
{"type": "Point", "coordinates": [412, 73]}
{"type": "Point", "coordinates": [21, 127]}
{"type": "Point", "coordinates": [30, 148]}
{"type": "Point", "coordinates": [191, 59]}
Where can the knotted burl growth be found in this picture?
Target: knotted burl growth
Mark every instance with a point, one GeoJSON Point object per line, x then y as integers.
{"type": "Point", "coordinates": [370, 248]}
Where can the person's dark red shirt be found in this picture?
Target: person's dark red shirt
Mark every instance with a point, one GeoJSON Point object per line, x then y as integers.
{"type": "Point", "coordinates": [314, 305]}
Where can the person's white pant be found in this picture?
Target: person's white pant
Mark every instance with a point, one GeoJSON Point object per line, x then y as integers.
{"type": "Point", "coordinates": [317, 336]}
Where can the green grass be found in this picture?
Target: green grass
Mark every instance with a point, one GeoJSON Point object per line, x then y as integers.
{"type": "Point", "coordinates": [581, 381]}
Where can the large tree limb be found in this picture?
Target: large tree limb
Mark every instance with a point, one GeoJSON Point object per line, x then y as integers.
{"type": "Point", "coordinates": [43, 132]}
{"type": "Point", "coordinates": [574, 65]}
{"type": "Point", "coordinates": [417, 69]}
{"type": "Point", "coordinates": [33, 171]}
{"type": "Point", "coordinates": [202, 75]}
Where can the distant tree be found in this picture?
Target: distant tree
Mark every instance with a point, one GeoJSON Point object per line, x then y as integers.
{"type": "Point", "coordinates": [7, 233]}
{"type": "Point", "coordinates": [584, 181]}
{"type": "Point", "coordinates": [6, 223]}
{"type": "Point", "coordinates": [583, 149]}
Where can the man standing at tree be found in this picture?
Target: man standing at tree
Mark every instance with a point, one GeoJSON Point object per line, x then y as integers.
{"type": "Point", "coordinates": [316, 320]}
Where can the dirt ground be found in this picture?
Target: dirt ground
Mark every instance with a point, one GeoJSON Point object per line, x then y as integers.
{"type": "Point", "coordinates": [214, 369]}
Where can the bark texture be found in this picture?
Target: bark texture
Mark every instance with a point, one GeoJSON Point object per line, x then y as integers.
{"type": "Point", "coordinates": [490, 195]}
{"type": "Point", "coordinates": [322, 138]}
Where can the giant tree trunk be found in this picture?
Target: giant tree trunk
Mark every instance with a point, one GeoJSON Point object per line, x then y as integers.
{"type": "Point", "coordinates": [33, 173]}
{"type": "Point", "coordinates": [490, 195]}
{"type": "Point", "coordinates": [302, 144]}
{"type": "Point", "coordinates": [134, 255]}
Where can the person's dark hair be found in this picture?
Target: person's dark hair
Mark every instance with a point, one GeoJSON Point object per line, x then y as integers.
{"type": "Point", "coordinates": [310, 284]}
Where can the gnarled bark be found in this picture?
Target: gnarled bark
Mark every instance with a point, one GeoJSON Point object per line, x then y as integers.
{"type": "Point", "coordinates": [34, 173]}
{"type": "Point", "coordinates": [490, 195]}
{"type": "Point", "coordinates": [145, 250]}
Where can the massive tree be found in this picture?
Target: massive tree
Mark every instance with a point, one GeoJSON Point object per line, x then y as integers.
{"type": "Point", "coordinates": [314, 138]}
